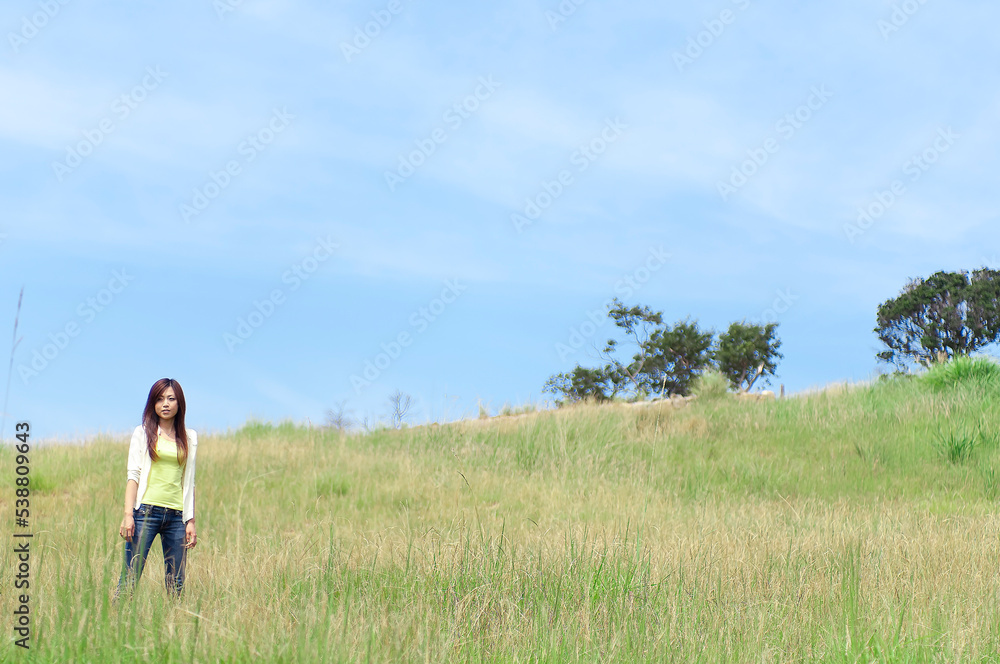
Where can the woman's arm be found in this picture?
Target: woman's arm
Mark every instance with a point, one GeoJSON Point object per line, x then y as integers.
{"type": "Point", "coordinates": [188, 483]}
{"type": "Point", "coordinates": [127, 529]}
{"type": "Point", "coordinates": [190, 534]}
{"type": "Point", "coordinates": [131, 489]}
{"type": "Point", "coordinates": [135, 450]}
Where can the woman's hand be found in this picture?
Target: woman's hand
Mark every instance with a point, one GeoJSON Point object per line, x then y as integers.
{"type": "Point", "coordinates": [190, 536]}
{"type": "Point", "coordinates": [127, 529]}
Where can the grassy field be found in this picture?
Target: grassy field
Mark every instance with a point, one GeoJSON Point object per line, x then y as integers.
{"type": "Point", "coordinates": [852, 525]}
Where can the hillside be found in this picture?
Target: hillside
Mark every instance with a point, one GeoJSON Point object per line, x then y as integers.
{"type": "Point", "coordinates": [846, 525]}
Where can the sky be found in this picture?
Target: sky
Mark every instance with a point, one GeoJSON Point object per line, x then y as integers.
{"type": "Point", "coordinates": [295, 206]}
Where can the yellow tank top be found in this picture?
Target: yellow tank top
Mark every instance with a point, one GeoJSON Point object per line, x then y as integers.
{"type": "Point", "coordinates": [164, 485]}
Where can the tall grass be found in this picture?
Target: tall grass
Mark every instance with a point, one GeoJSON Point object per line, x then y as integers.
{"type": "Point", "coordinates": [825, 528]}
{"type": "Point", "coordinates": [712, 384]}
{"type": "Point", "coordinates": [980, 371]}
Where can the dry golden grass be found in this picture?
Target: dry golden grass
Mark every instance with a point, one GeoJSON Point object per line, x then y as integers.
{"type": "Point", "coordinates": [819, 529]}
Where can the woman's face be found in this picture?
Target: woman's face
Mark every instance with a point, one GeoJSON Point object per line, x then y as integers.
{"type": "Point", "coordinates": [166, 405]}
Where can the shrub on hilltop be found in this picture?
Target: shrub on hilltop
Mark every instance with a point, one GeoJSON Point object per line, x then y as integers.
{"type": "Point", "coordinates": [982, 371]}
{"type": "Point", "coordinates": [712, 384]}
{"type": "Point", "coordinates": [654, 358]}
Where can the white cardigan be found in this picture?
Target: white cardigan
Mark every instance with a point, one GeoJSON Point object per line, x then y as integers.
{"type": "Point", "coordinates": [139, 464]}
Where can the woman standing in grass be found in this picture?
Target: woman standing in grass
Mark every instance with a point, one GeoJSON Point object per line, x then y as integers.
{"type": "Point", "coordinates": [159, 493]}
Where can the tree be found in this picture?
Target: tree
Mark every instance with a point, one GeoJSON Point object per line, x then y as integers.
{"type": "Point", "coordinates": [677, 356]}
{"type": "Point", "coordinates": [581, 384]}
{"type": "Point", "coordinates": [664, 358]}
{"type": "Point", "coordinates": [747, 352]}
{"type": "Point", "coordinates": [339, 418]}
{"type": "Point", "coordinates": [399, 403]}
{"type": "Point", "coordinates": [640, 325]}
{"type": "Point", "coordinates": [949, 312]}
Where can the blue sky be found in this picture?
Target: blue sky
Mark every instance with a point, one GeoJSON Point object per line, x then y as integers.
{"type": "Point", "coordinates": [462, 187]}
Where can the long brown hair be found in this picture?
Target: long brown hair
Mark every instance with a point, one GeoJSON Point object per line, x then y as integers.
{"type": "Point", "coordinates": [150, 420]}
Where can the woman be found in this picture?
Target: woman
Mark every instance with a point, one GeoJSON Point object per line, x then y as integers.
{"type": "Point", "coordinates": [159, 493]}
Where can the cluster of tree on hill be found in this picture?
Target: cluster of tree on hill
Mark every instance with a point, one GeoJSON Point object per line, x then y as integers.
{"type": "Point", "coordinates": [666, 359]}
{"type": "Point", "coordinates": [948, 314]}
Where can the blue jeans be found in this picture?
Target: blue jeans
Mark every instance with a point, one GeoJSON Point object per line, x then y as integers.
{"type": "Point", "coordinates": [151, 520]}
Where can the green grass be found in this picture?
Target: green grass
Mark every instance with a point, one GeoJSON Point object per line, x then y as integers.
{"type": "Point", "coordinates": [833, 527]}
{"type": "Point", "coordinates": [980, 371]}
{"type": "Point", "coordinates": [711, 385]}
